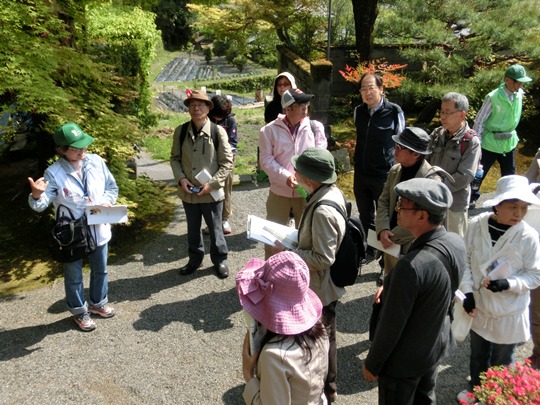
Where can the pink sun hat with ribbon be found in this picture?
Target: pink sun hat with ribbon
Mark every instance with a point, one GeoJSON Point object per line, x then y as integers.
{"type": "Point", "coordinates": [276, 293]}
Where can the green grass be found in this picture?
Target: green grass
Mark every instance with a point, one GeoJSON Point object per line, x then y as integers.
{"type": "Point", "coordinates": [250, 120]}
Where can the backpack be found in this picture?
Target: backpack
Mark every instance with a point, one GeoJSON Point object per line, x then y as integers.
{"type": "Point", "coordinates": [352, 249]}
{"type": "Point", "coordinates": [466, 140]}
{"type": "Point", "coordinates": [213, 134]}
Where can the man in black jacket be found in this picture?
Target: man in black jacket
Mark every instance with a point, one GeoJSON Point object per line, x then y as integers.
{"type": "Point", "coordinates": [413, 331]}
{"type": "Point", "coordinates": [376, 121]}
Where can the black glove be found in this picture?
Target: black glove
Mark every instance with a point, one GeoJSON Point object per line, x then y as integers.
{"type": "Point", "coordinates": [469, 304]}
{"type": "Point", "coordinates": [498, 285]}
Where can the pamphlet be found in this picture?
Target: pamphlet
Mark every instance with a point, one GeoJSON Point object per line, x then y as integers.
{"type": "Point", "coordinates": [372, 241]}
{"type": "Point", "coordinates": [262, 230]}
{"type": "Point", "coordinates": [101, 214]}
{"type": "Point", "coordinates": [204, 177]}
{"type": "Point", "coordinates": [499, 269]}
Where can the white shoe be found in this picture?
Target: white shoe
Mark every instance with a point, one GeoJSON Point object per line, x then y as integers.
{"type": "Point", "coordinates": [466, 397]}
{"type": "Point", "coordinates": [227, 230]}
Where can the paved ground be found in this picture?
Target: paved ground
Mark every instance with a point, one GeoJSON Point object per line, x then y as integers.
{"type": "Point", "coordinates": [175, 340]}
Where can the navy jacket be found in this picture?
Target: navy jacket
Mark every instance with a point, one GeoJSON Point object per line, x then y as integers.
{"type": "Point", "coordinates": [374, 153]}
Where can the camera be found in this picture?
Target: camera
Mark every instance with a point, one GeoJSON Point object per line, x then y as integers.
{"type": "Point", "coordinates": [194, 189]}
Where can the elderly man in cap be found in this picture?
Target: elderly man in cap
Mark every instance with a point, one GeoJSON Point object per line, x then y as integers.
{"type": "Point", "coordinates": [413, 330]}
{"type": "Point", "coordinates": [497, 120]}
{"type": "Point", "coordinates": [202, 147]}
{"type": "Point", "coordinates": [321, 231]}
{"type": "Point", "coordinates": [410, 151]}
{"type": "Point", "coordinates": [456, 149]}
{"type": "Point", "coordinates": [289, 134]}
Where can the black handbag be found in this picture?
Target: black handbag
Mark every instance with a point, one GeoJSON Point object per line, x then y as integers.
{"type": "Point", "coordinates": [71, 238]}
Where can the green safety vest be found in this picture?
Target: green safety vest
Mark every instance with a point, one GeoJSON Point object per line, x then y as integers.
{"type": "Point", "coordinates": [504, 117]}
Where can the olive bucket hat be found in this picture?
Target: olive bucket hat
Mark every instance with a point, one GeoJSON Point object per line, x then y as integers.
{"type": "Point", "coordinates": [70, 134]}
{"type": "Point", "coordinates": [316, 164]}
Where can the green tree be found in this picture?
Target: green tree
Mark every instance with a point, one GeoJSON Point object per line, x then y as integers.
{"type": "Point", "coordinates": [126, 37]}
{"type": "Point", "coordinates": [53, 69]}
{"type": "Point", "coordinates": [459, 45]}
{"type": "Point", "coordinates": [299, 24]}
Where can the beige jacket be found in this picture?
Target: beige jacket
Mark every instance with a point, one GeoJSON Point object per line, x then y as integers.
{"type": "Point", "coordinates": [318, 243]}
{"type": "Point", "coordinates": [388, 199]}
{"type": "Point", "coordinates": [284, 377]}
{"type": "Point", "coordinates": [198, 153]}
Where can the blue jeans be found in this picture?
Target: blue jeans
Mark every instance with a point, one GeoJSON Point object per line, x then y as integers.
{"type": "Point", "coordinates": [485, 354]}
{"type": "Point", "coordinates": [99, 278]}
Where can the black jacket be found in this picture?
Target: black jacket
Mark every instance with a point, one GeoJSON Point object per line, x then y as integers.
{"type": "Point", "coordinates": [374, 153]}
{"type": "Point", "coordinates": [413, 333]}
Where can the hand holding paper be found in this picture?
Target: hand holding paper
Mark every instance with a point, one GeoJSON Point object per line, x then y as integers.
{"type": "Point", "coordinates": [204, 177]}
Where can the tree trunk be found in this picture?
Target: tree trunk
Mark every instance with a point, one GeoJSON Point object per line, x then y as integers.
{"type": "Point", "coordinates": [365, 14]}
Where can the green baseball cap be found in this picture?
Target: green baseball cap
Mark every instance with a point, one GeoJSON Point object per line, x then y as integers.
{"type": "Point", "coordinates": [517, 72]}
{"type": "Point", "coordinates": [70, 134]}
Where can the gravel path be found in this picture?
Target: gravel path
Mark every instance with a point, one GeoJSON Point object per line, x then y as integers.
{"type": "Point", "coordinates": [174, 340]}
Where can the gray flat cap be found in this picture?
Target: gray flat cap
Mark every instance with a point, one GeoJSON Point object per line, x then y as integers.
{"type": "Point", "coordinates": [430, 195]}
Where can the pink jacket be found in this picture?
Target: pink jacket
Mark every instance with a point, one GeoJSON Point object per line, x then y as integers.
{"type": "Point", "coordinates": [277, 147]}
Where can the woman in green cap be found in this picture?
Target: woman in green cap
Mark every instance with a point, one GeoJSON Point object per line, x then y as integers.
{"type": "Point", "coordinates": [75, 180]}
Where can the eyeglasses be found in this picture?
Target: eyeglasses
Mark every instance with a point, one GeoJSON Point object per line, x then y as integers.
{"type": "Point", "coordinates": [446, 113]}
{"type": "Point", "coordinates": [79, 150]}
{"type": "Point", "coordinates": [302, 106]}
{"type": "Point", "coordinates": [369, 88]}
{"type": "Point", "coordinates": [399, 207]}
{"type": "Point", "coordinates": [196, 104]}
{"type": "Point", "coordinates": [400, 147]}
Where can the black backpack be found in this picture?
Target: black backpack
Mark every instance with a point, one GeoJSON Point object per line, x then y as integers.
{"type": "Point", "coordinates": [352, 249]}
{"type": "Point", "coordinates": [213, 134]}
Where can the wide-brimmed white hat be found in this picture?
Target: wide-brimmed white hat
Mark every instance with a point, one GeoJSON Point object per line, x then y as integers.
{"type": "Point", "coordinates": [512, 187]}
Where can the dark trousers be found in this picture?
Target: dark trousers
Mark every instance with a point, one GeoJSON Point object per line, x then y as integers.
{"type": "Point", "coordinates": [506, 163]}
{"type": "Point", "coordinates": [329, 316]}
{"type": "Point", "coordinates": [485, 354]}
{"type": "Point", "coordinates": [211, 212]}
{"type": "Point", "coordinates": [367, 191]}
{"type": "Point", "coordinates": [408, 391]}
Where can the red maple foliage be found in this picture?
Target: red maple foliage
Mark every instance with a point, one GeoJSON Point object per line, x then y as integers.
{"type": "Point", "coordinates": [388, 72]}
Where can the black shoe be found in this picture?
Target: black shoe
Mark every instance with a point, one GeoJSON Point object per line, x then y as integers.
{"type": "Point", "coordinates": [189, 268]}
{"type": "Point", "coordinates": [222, 270]}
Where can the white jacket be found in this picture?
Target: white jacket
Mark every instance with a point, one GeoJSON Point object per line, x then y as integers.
{"type": "Point", "coordinates": [502, 317]}
{"type": "Point", "coordinates": [66, 188]}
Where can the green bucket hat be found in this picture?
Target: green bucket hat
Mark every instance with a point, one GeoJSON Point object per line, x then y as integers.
{"type": "Point", "coordinates": [517, 72]}
{"type": "Point", "coordinates": [316, 164]}
{"type": "Point", "coordinates": [70, 134]}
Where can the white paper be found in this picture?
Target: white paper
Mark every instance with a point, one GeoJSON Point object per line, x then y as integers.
{"type": "Point", "coordinates": [204, 177]}
{"type": "Point", "coordinates": [267, 232]}
{"type": "Point", "coordinates": [501, 269]}
{"type": "Point", "coordinates": [100, 214]}
{"type": "Point", "coordinates": [372, 241]}
{"type": "Point", "coordinates": [461, 325]}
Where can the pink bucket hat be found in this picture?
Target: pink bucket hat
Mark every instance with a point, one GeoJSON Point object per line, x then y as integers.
{"type": "Point", "coordinates": [276, 293]}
